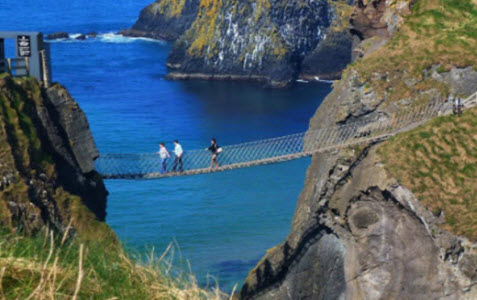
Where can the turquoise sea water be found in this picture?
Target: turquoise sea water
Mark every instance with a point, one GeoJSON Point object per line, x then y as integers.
{"type": "Point", "coordinates": [223, 222]}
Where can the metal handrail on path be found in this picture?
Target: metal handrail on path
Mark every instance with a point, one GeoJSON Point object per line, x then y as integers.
{"type": "Point", "coordinates": [12, 66]}
{"type": "Point", "coordinates": [268, 151]}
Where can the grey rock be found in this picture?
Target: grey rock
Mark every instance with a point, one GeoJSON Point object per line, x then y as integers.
{"type": "Point", "coordinates": [57, 35]}
{"type": "Point", "coordinates": [329, 58]}
{"type": "Point", "coordinates": [460, 80]}
{"type": "Point", "coordinates": [72, 127]}
{"type": "Point", "coordinates": [468, 266]}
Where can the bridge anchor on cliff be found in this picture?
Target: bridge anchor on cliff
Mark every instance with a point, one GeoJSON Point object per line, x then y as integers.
{"type": "Point", "coordinates": [30, 58]}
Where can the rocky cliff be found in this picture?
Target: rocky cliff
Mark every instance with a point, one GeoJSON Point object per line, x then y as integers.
{"type": "Point", "coordinates": [257, 40]}
{"type": "Point", "coordinates": [164, 19]}
{"type": "Point", "coordinates": [47, 161]}
{"type": "Point", "coordinates": [380, 221]}
{"type": "Point", "coordinates": [271, 41]}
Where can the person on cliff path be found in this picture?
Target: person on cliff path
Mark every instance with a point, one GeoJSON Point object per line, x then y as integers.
{"type": "Point", "coordinates": [178, 159]}
{"type": "Point", "coordinates": [164, 155]}
{"type": "Point", "coordinates": [215, 150]}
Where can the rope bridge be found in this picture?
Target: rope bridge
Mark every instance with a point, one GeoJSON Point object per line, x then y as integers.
{"type": "Point", "coordinates": [279, 149]}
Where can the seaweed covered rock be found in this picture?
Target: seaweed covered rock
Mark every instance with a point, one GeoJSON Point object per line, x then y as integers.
{"type": "Point", "coordinates": [47, 160]}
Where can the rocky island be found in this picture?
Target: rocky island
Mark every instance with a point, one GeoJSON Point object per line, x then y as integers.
{"type": "Point", "coordinates": [274, 42]}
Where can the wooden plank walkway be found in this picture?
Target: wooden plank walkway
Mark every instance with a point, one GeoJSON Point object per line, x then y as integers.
{"type": "Point", "coordinates": [270, 151]}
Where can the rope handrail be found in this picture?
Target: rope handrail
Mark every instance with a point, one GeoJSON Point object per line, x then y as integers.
{"type": "Point", "coordinates": [266, 151]}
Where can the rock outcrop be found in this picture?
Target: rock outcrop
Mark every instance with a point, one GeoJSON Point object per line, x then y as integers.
{"type": "Point", "coordinates": [271, 41]}
{"type": "Point", "coordinates": [164, 19]}
{"type": "Point", "coordinates": [47, 158]}
{"type": "Point", "coordinates": [255, 40]}
{"type": "Point", "coordinates": [258, 40]}
{"type": "Point", "coordinates": [358, 232]}
{"type": "Point", "coordinates": [57, 35]}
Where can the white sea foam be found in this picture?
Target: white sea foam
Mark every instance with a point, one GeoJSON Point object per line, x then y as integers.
{"type": "Point", "coordinates": [322, 80]}
{"type": "Point", "coordinates": [74, 35]}
{"type": "Point", "coordinates": [109, 37]}
{"type": "Point", "coordinates": [112, 37]}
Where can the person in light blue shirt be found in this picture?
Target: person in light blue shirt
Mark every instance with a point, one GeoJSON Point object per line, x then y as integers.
{"type": "Point", "coordinates": [178, 160]}
{"type": "Point", "coordinates": [164, 155]}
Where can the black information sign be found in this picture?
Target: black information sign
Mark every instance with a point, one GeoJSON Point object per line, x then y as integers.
{"type": "Point", "coordinates": [24, 46]}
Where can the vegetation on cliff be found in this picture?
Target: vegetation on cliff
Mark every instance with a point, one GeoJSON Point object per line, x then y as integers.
{"type": "Point", "coordinates": [31, 192]}
{"type": "Point", "coordinates": [263, 40]}
{"type": "Point", "coordinates": [164, 19]}
{"type": "Point", "coordinates": [52, 245]}
{"type": "Point", "coordinates": [438, 162]}
{"type": "Point", "coordinates": [440, 34]}
{"type": "Point", "coordinates": [49, 267]}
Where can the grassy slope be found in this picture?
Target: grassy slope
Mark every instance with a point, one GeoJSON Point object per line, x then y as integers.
{"type": "Point", "coordinates": [43, 267]}
{"type": "Point", "coordinates": [438, 162]}
{"type": "Point", "coordinates": [438, 33]}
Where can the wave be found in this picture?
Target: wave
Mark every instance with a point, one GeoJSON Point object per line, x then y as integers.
{"type": "Point", "coordinates": [110, 37]}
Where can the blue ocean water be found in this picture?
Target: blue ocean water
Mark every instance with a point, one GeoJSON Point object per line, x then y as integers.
{"type": "Point", "coordinates": [224, 222]}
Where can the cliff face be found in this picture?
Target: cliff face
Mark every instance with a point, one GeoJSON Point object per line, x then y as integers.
{"type": "Point", "coordinates": [164, 19]}
{"type": "Point", "coordinates": [47, 160]}
{"type": "Point", "coordinates": [362, 229]}
{"type": "Point", "coordinates": [249, 39]}
{"type": "Point", "coordinates": [272, 41]}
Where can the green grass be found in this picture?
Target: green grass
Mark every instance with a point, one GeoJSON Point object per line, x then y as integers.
{"type": "Point", "coordinates": [441, 33]}
{"type": "Point", "coordinates": [438, 162]}
{"type": "Point", "coordinates": [48, 267]}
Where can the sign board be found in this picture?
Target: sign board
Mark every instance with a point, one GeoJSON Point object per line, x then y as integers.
{"type": "Point", "coordinates": [24, 46]}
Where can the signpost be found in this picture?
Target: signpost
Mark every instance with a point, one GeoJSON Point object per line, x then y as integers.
{"type": "Point", "coordinates": [24, 46]}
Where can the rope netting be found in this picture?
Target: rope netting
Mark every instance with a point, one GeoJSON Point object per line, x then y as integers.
{"type": "Point", "coordinates": [380, 126]}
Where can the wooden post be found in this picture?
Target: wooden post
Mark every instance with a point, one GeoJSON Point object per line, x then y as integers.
{"type": "Point", "coordinates": [2, 56]}
{"type": "Point", "coordinates": [9, 62]}
{"type": "Point", "coordinates": [44, 68]}
{"type": "Point", "coordinates": [27, 66]}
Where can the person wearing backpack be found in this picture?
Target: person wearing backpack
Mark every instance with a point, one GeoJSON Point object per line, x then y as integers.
{"type": "Point", "coordinates": [215, 150]}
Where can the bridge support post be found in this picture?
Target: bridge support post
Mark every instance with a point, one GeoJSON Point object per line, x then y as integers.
{"type": "Point", "coordinates": [2, 56]}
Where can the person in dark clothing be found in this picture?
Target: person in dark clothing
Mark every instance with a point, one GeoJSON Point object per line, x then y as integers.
{"type": "Point", "coordinates": [215, 150]}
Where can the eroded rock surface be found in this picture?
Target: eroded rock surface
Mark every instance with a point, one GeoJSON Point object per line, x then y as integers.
{"type": "Point", "coordinates": [379, 241]}
{"type": "Point", "coordinates": [164, 19]}
{"type": "Point", "coordinates": [46, 160]}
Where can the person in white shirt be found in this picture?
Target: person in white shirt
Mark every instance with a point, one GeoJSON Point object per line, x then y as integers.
{"type": "Point", "coordinates": [178, 159]}
{"type": "Point", "coordinates": [164, 155]}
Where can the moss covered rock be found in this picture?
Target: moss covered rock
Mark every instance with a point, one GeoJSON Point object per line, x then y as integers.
{"type": "Point", "coordinates": [164, 19]}
{"type": "Point", "coordinates": [254, 39]}
{"type": "Point", "coordinates": [47, 152]}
